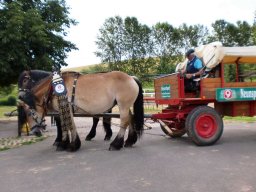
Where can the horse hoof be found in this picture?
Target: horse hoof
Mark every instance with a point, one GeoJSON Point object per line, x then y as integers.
{"type": "Point", "coordinates": [72, 148]}
{"type": "Point", "coordinates": [56, 143]}
{"type": "Point", "coordinates": [114, 148]}
{"type": "Point", "coordinates": [128, 145]}
{"type": "Point", "coordinates": [59, 148]}
{"type": "Point", "coordinates": [74, 145]}
{"type": "Point", "coordinates": [107, 138]}
{"type": "Point", "coordinates": [88, 138]}
{"type": "Point", "coordinates": [117, 144]}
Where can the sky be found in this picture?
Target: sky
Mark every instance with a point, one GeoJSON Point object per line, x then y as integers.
{"type": "Point", "coordinates": [91, 16]}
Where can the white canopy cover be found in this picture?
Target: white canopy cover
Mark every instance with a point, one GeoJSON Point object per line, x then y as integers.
{"type": "Point", "coordinates": [214, 53]}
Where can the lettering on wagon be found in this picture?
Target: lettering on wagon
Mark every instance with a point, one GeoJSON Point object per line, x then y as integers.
{"type": "Point", "coordinates": [247, 94]}
{"type": "Point", "coordinates": [236, 94]}
{"type": "Point", "coordinates": [166, 91]}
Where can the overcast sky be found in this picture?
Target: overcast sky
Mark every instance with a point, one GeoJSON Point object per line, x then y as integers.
{"type": "Point", "coordinates": [92, 14]}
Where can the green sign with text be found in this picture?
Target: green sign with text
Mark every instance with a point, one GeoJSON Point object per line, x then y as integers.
{"type": "Point", "coordinates": [235, 94]}
{"type": "Point", "coordinates": [166, 91]}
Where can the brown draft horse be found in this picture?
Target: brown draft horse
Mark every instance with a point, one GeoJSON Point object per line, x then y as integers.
{"type": "Point", "coordinates": [95, 93]}
{"type": "Point", "coordinates": [29, 79]}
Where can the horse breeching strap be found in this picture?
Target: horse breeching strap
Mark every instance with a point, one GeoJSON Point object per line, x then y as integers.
{"type": "Point", "coordinates": [60, 92]}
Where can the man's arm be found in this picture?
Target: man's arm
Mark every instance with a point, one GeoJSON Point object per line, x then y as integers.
{"type": "Point", "coordinates": [199, 65]}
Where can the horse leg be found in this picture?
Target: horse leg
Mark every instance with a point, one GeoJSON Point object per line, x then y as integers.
{"type": "Point", "coordinates": [118, 142]}
{"type": "Point", "coordinates": [63, 145]}
{"type": "Point", "coordinates": [107, 128]}
{"type": "Point", "coordinates": [92, 132]}
{"type": "Point", "coordinates": [75, 143]}
{"type": "Point", "coordinates": [62, 140]}
{"type": "Point", "coordinates": [59, 131]}
{"type": "Point", "coordinates": [132, 135]}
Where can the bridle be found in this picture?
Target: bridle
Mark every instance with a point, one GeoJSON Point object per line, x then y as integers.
{"type": "Point", "coordinates": [26, 90]}
{"type": "Point", "coordinates": [40, 122]}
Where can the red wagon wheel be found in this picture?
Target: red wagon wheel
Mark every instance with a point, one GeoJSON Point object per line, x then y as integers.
{"type": "Point", "coordinates": [171, 130]}
{"type": "Point", "coordinates": [204, 125]}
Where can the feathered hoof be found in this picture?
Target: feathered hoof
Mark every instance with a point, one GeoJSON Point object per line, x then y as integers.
{"type": "Point", "coordinates": [88, 138]}
{"type": "Point", "coordinates": [74, 145]}
{"type": "Point", "coordinates": [131, 140]}
{"type": "Point", "coordinates": [107, 138]}
{"type": "Point", "coordinates": [56, 142]}
{"type": "Point", "coordinates": [117, 144]}
{"type": "Point", "coordinates": [62, 146]}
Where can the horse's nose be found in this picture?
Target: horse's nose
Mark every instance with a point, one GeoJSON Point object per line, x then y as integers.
{"type": "Point", "coordinates": [21, 95]}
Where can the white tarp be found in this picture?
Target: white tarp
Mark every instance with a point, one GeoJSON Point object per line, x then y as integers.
{"type": "Point", "coordinates": [239, 54]}
{"type": "Point", "coordinates": [214, 53]}
{"type": "Point", "coordinates": [210, 54]}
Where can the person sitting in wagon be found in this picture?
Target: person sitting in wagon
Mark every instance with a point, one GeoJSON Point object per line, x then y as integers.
{"type": "Point", "coordinates": [192, 70]}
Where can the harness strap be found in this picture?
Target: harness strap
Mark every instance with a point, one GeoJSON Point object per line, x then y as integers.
{"type": "Point", "coordinates": [74, 90]}
{"type": "Point", "coordinates": [33, 113]}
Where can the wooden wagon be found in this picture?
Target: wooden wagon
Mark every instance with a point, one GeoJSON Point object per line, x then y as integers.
{"type": "Point", "coordinates": [200, 113]}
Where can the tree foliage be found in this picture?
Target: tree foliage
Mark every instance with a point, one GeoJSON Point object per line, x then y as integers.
{"type": "Point", "coordinates": [239, 34]}
{"type": "Point", "coordinates": [32, 36]}
{"type": "Point", "coordinates": [137, 46]}
{"type": "Point", "coordinates": [166, 40]}
{"type": "Point", "coordinates": [110, 43]}
{"type": "Point", "coordinates": [130, 46]}
{"type": "Point", "coordinates": [193, 35]}
{"type": "Point", "coordinates": [125, 45]}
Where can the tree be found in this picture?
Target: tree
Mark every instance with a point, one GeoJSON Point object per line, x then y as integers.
{"type": "Point", "coordinates": [193, 35]}
{"type": "Point", "coordinates": [124, 45]}
{"type": "Point", "coordinates": [166, 40]}
{"type": "Point", "coordinates": [254, 30]}
{"type": "Point", "coordinates": [137, 47]}
{"type": "Point", "coordinates": [239, 34]}
{"type": "Point", "coordinates": [110, 43]}
{"type": "Point", "coordinates": [32, 36]}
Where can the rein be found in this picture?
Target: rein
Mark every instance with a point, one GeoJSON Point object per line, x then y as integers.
{"type": "Point", "coordinates": [40, 122]}
{"type": "Point", "coordinates": [34, 114]}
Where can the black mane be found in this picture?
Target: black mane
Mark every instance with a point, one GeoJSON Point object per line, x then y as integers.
{"type": "Point", "coordinates": [36, 76]}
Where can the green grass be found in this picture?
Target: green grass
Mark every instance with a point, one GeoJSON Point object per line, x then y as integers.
{"type": "Point", "coordinates": [240, 118]}
{"type": "Point", "coordinates": [4, 148]}
{"type": "Point", "coordinates": [4, 109]}
{"type": "Point", "coordinates": [12, 142]}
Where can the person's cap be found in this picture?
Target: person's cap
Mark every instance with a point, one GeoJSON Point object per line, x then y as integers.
{"type": "Point", "coordinates": [189, 52]}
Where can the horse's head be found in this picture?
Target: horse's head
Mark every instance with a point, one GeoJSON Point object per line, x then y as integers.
{"type": "Point", "coordinates": [31, 107]}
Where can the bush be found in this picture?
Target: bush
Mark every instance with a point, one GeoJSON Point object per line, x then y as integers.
{"type": "Point", "coordinates": [10, 101]}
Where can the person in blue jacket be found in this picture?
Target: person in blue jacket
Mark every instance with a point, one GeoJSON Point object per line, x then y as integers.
{"type": "Point", "coordinates": [193, 69]}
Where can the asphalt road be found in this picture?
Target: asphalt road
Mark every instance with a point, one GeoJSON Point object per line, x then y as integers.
{"type": "Point", "coordinates": [155, 164]}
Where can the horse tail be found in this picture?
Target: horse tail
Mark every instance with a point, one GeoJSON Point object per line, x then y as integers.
{"type": "Point", "coordinates": [138, 110]}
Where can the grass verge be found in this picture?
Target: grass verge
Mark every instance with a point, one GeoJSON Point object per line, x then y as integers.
{"type": "Point", "coordinates": [4, 109]}
{"type": "Point", "coordinates": [13, 142]}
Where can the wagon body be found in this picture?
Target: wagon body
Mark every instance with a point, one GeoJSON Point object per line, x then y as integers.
{"type": "Point", "coordinates": [190, 113]}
